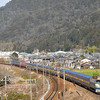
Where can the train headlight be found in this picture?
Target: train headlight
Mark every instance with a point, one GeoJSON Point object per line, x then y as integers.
{"type": "Point", "coordinates": [97, 85]}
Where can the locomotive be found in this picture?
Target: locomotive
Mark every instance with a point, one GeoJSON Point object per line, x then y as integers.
{"type": "Point", "coordinates": [78, 78]}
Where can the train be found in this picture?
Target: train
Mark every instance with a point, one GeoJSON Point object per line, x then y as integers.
{"type": "Point", "coordinates": [78, 78]}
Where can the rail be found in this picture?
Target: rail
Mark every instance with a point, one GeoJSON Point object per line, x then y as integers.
{"type": "Point", "coordinates": [54, 89]}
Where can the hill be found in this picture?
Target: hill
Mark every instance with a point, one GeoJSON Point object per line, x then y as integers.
{"type": "Point", "coordinates": [49, 24]}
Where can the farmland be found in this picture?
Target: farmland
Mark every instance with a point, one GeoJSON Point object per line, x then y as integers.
{"type": "Point", "coordinates": [89, 72]}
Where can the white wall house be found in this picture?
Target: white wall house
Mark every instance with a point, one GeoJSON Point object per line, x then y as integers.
{"type": "Point", "coordinates": [7, 54]}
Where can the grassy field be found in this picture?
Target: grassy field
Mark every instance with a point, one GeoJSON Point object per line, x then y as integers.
{"type": "Point", "coordinates": [89, 72]}
{"type": "Point", "coordinates": [22, 73]}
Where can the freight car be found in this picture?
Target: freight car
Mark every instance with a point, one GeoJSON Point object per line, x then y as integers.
{"type": "Point", "coordinates": [82, 79]}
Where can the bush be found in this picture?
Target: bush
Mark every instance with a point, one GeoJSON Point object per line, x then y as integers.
{"type": "Point", "coordinates": [97, 67]}
{"type": "Point", "coordinates": [16, 96]}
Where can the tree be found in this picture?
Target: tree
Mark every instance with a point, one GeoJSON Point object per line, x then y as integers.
{"type": "Point", "coordinates": [94, 48]}
{"type": "Point", "coordinates": [90, 50]}
{"type": "Point", "coordinates": [14, 56]}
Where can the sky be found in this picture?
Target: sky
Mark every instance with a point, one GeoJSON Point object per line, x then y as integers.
{"type": "Point", "coordinates": [3, 2]}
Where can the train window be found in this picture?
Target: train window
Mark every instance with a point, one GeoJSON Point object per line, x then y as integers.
{"type": "Point", "coordinates": [98, 81]}
{"type": "Point", "coordinates": [78, 76]}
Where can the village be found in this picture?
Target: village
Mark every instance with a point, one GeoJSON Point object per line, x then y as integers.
{"type": "Point", "coordinates": [69, 60]}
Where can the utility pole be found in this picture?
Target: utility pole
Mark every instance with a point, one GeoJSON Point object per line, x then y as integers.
{"type": "Point", "coordinates": [6, 87]}
{"type": "Point", "coordinates": [30, 86]}
{"type": "Point", "coordinates": [26, 84]}
{"type": "Point", "coordinates": [64, 80]}
{"type": "Point", "coordinates": [37, 66]}
{"type": "Point", "coordinates": [58, 83]}
{"type": "Point", "coordinates": [32, 80]}
{"type": "Point", "coordinates": [49, 70]}
{"type": "Point", "coordinates": [43, 78]}
{"type": "Point", "coordinates": [58, 77]}
{"type": "Point", "coordinates": [1, 95]}
{"type": "Point", "coordinates": [36, 90]}
{"type": "Point", "coordinates": [59, 95]}
{"type": "Point", "coordinates": [45, 67]}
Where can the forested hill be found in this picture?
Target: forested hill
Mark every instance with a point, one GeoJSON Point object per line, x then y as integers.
{"type": "Point", "coordinates": [49, 24]}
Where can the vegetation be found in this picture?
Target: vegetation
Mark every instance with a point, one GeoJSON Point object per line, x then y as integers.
{"type": "Point", "coordinates": [49, 25]}
{"type": "Point", "coordinates": [82, 56]}
{"type": "Point", "coordinates": [14, 56]}
{"type": "Point", "coordinates": [23, 74]}
{"type": "Point", "coordinates": [90, 50]}
{"type": "Point", "coordinates": [17, 96]}
{"type": "Point", "coordinates": [2, 83]}
{"type": "Point", "coordinates": [89, 72]}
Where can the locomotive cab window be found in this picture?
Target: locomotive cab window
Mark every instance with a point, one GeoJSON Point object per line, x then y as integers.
{"type": "Point", "coordinates": [98, 81]}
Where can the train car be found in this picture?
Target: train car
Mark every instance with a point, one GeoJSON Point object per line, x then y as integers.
{"type": "Point", "coordinates": [15, 62]}
{"type": "Point", "coordinates": [31, 66]}
{"type": "Point", "coordinates": [78, 77]}
{"type": "Point", "coordinates": [97, 86]}
{"type": "Point", "coordinates": [22, 63]}
{"type": "Point", "coordinates": [84, 80]}
{"type": "Point", "coordinates": [53, 70]}
{"type": "Point", "coordinates": [61, 72]}
{"type": "Point", "coordinates": [40, 67]}
{"type": "Point", "coordinates": [47, 69]}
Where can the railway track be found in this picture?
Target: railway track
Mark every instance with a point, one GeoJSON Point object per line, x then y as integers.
{"type": "Point", "coordinates": [54, 89]}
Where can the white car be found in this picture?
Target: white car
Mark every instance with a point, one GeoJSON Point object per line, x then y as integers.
{"type": "Point", "coordinates": [78, 67]}
{"type": "Point", "coordinates": [91, 67]}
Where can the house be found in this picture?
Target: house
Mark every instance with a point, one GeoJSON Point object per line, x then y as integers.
{"type": "Point", "coordinates": [7, 54]}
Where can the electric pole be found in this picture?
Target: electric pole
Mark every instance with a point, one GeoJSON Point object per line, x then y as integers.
{"type": "Point", "coordinates": [43, 78]}
{"type": "Point", "coordinates": [30, 86]}
{"type": "Point", "coordinates": [64, 79]}
{"type": "Point", "coordinates": [6, 87]}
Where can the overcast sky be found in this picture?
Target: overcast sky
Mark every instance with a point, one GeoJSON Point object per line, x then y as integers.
{"type": "Point", "coordinates": [3, 2]}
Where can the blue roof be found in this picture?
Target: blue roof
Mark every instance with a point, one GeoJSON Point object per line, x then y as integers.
{"type": "Point", "coordinates": [79, 73]}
